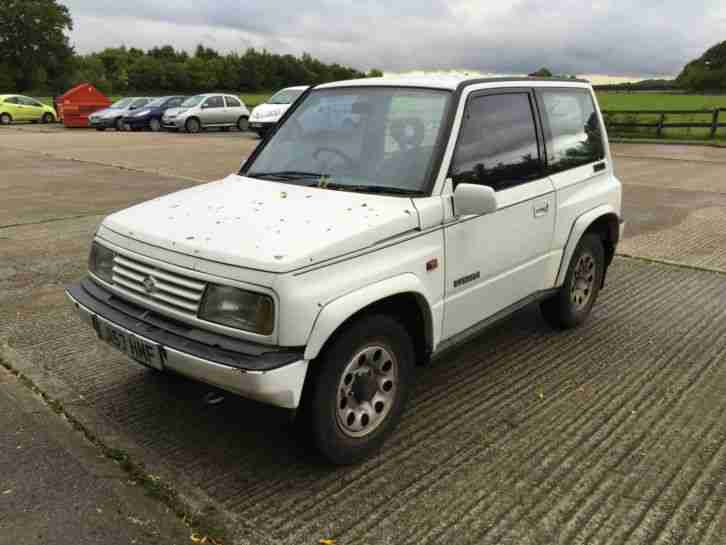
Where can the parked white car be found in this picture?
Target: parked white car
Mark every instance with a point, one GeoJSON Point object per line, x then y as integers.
{"type": "Point", "coordinates": [266, 115]}
{"type": "Point", "coordinates": [343, 254]}
{"type": "Point", "coordinates": [201, 112]}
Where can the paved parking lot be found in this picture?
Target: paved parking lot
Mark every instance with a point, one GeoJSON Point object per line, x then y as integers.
{"type": "Point", "coordinates": [613, 433]}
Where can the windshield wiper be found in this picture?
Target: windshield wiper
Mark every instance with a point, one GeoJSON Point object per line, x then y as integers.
{"type": "Point", "coordinates": [370, 189]}
{"type": "Point", "coordinates": [287, 175]}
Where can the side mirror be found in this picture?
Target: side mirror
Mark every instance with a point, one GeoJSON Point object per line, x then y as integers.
{"type": "Point", "coordinates": [472, 199]}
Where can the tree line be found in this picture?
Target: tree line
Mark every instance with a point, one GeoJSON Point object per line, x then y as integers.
{"type": "Point", "coordinates": [165, 69]}
{"type": "Point", "coordinates": [35, 55]}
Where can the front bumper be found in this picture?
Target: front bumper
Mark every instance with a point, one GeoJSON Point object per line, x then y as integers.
{"type": "Point", "coordinates": [262, 125]}
{"type": "Point", "coordinates": [172, 123]}
{"type": "Point", "coordinates": [267, 374]}
{"type": "Point", "coordinates": [102, 123]}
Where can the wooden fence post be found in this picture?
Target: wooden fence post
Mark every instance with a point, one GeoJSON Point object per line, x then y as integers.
{"type": "Point", "coordinates": [714, 123]}
{"type": "Point", "coordinates": [659, 129]}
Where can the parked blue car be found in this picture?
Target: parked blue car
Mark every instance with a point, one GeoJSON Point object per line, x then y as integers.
{"type": "Point", "coordinates": [149, 117]}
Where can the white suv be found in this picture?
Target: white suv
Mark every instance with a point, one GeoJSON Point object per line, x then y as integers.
{"type": "Point", "coordinates": [381, 223]}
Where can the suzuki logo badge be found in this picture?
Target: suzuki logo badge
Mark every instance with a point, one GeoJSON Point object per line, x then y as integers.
{"type": "Point", "coordinates": [149, 285]}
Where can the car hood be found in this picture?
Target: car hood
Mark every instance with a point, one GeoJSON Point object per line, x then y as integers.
{"type": "Point", "coordinates": [264, 225]}
{"type": "Point", "coordinates": [275, 110]}
{"type": "Point", "coordinates": [174, 111]}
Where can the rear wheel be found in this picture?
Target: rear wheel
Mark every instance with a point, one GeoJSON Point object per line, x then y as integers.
{"type": "Point", "coordinates": [358, 389]}
{"type": "Point", "coordinates": [5, 119]}
{"type": "Point", "coordinates": [193, 125]}
{"type": "Point", "coordinates": [119, 124]}
{"type": "Point", "coordinates": [48, 118]}
{"type": "Point", "coordinates": [243, 124]}
{"type": "Point", "coordinates": [572, 304]}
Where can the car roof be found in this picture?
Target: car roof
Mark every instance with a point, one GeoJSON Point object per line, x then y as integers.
{"type": "Point", "coordinates": [451, 82]}
{"type": "Point", "coordinates": [295, 88]}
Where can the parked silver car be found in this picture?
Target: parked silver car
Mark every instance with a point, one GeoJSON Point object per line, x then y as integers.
{"type": "Point", "coordinates": [209, 110]}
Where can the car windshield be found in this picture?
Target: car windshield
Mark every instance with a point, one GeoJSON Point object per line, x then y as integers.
{"type": "Point", "coordinates": [368, 139]}
{"type": "Point", "coordinates": [121, 104]}
{"type": "Point", "coordinates": [193, 101]}
{"type": "Point", "coordinates": [157, 102]}
{"type": "Point", "coordinates": [286, 96]}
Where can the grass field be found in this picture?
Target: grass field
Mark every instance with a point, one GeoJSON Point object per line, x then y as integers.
{"type": "Point", "coordinates": [663, 102]}
{"type": "Point", "coordinates": [659, 101]}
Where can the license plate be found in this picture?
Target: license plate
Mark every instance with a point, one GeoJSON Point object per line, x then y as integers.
{"type": "Point", "coordinates": [143, 351]}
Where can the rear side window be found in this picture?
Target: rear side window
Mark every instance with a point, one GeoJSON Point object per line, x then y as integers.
{"type": "Point", "coordinates": [497, 143]}
{"type": "Point", "coordinates": [214, 102]}
{"type": "Point", "coordinates": [11, 100]}
{"type": "Point", "coordinates": [233, 102]}
{"type": "Point", "coordinates": [574, 137]}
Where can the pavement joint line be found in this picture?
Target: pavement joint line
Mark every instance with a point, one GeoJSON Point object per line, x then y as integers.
{"type": "Point", "coordinates": [671, 142]}
{"type": "Point", "coordinates": [663, 158]}
{"type": "Point", "coordinates": [119, 166]}
{"type": "Point", "coordinates": [669, 262]}
{"type": "Point", "coordinates": [152, 485]}
{"type": "Point", "coordinates": [51, 220]}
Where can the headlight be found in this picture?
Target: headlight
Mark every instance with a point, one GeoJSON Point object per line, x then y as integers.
{"type": "Point", "coordinates": [239, 309]}
{"type": "Point", "coordinates": [100, 262]}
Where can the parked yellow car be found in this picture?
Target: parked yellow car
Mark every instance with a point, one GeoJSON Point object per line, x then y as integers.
{"type": "Point", "coordinates": [21, 108]}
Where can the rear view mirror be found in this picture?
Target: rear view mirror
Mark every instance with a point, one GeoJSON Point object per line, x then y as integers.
{"type": "Point", "coordinates": [472, 199]}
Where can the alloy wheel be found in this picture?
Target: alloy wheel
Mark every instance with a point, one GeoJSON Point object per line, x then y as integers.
{"type": "Point", "coordinates": [367, 390]}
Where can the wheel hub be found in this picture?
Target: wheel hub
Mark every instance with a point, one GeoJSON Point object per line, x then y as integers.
{"type": "Point", "coordinates": [367, 390]}
{"type": "Point", "coordinates": [583, 281]}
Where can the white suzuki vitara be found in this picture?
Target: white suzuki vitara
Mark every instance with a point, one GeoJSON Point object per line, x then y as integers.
{"type": "Point", "coordinates": [380, 223]}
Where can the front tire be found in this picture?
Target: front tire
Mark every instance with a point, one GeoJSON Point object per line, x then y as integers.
{"type": "Point", "coordinates": [572, 304]}
{"type": "Point", "coordinates": [48, 118]}
{"type": "Point", "coordinates": [193, 126]}
{"type": "Point", "coordinates": [155, 125]}
{"type": "Point", "coordinates": [119, 124]}
{"type": "Point", "coordinates": [5, 119]}
{"type": "Point", "coordinates": [358, 389]}
{"type": "Point", "coordinates": [243, 124]}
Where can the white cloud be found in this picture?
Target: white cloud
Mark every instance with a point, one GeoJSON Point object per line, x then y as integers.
{"type": "Point", "coordinates": [616, 37]}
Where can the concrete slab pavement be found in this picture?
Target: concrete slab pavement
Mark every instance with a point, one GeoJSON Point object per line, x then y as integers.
{"type": "Point", "coordinates": [55, 487]}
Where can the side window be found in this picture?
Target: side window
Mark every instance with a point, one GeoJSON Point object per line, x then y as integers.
{"type": "Point", "coordinates": [214, 102]}
{"type": "Point", "coordinates": [497, 143]}
{"type": "Point", "coordinates": [28, 102]}
{"type": "Point", "coordinates": [233, 102]}
{"type": "Point", "coordinates": [174, 103]}
{"type": "Point", "coordinates": [11, 100]}
{"type": "Point", "coordinates": [573, 130]}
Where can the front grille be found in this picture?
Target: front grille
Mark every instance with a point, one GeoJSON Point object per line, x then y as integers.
{"type": "Point", "coordinates": [158, 286]}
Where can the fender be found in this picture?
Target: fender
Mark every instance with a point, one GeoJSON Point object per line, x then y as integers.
{"type": "Point", "coordinates": [336, 312]}
{"type": "Point", "coordinates": [578, 229]}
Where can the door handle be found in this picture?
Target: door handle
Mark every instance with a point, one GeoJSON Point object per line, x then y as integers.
{"type": "Point", "coordinates": [541, 209]}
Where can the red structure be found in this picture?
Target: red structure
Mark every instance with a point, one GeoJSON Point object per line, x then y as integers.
{"type": "Point", "coordinates": [78, 103]}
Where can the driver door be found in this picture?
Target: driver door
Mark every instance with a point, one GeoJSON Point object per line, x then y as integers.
{"type": "Point", "coordinates": [496, 260]}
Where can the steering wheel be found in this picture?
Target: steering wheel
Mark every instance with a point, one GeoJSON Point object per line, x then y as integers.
{"type": "Point", "coordinates": [349, 163]}
{"type": "Point", "coordinates": [408, 132]}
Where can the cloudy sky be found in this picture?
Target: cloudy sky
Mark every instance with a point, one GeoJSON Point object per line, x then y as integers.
{"type": "Point", "coordinates": [632, 38]}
